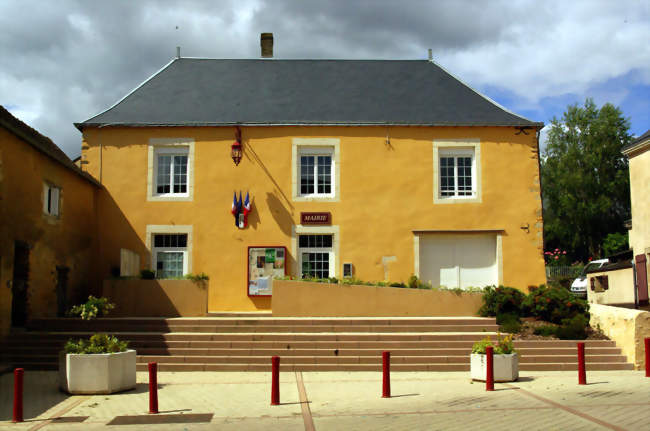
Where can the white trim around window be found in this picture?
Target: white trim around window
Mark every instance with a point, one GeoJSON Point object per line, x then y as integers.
{"type": "Point", "coordinates": [334, 251]}
{"type": "Point", "coordinates": [153, 230]}
{"type": "Point", "coordinates": [313, 151]}
{"type": "Point", "coordinates": [458, 150]}
{"type": "Point", "coordinates": [178, 157]}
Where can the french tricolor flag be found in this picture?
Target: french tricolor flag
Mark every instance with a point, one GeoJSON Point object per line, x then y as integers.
{"type": "Point", "coordinates": [247, 205]}
{"type": "Point", "coordinates": [234, 210]}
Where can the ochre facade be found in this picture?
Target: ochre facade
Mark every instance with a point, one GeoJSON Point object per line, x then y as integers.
{"type": "Point", "coordinates": [385, 199]}
{"type": "Point", "coordinates": [67, 241]}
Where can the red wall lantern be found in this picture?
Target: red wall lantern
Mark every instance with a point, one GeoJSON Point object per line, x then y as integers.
{"type": "Point", "coordinates": [236, 152]}
{"type": "Point", "coordinates": [236, 148]}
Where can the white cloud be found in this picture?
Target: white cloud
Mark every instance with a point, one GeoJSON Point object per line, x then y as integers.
{"type": "Point", "coordinates": [65, 61]}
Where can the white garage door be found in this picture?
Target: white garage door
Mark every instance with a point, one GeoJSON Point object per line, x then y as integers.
{"type": "Point", "coordinates": [459, 260]}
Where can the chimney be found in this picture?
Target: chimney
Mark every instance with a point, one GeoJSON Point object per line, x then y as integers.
{"type": "Point", "coordinates": [178, 52]}
{"type": "Point", "coordinates": [266, 42]}
{"type": "Point", "coordinates": [430, 54]}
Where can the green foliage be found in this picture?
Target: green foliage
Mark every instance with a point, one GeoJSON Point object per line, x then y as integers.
{"type": "Point", "coordinates": [509, 322]}
{"type": "Point", "coordinates": [98, 343]}
{"type": "Point", "coordinates": [147, 274]}
{"type": "Point", "coordinates": [556, 257]}
{"type": "Point", "coordinates": [501, 300]}
{"type": "Point", "coordinates": [545, 330]}
{"type": "Point", "coordinates": [585, 180]}
{"type": "Point", "coordinates": [402, 285]}
{"type": "Point", "coordinates": [614, 243]}
{"type": "Point", "coordinates": [573, 328]}
{"type": "Point", "coordinates": [198, 277]}
{"type": "Point", "coordinates": [553, 304]}
{"type": "Point", "coordinates": [93, 308]}
{"type": "Point", "coordinates": [415, 283]}
{"type": "Point", "coordinates": [503, 346]}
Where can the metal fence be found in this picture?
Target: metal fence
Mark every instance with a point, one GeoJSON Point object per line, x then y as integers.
{"type": "Point", "coordinates": [555, 272]}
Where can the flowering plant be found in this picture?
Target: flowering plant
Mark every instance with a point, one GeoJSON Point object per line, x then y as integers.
{"type": "Point", "coordinates": [503, 346]}
{"type": "Point", "coordinates": [556, 257]}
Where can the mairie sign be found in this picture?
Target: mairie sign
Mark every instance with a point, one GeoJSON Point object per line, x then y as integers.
{"type": "Point", "coordinates": [315, 218]}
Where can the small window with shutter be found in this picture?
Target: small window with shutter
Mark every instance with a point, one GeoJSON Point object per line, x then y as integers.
{"type": "Point", "coordinates": [51, 199]}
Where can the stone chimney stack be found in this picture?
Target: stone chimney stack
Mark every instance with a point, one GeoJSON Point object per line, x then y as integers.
{"type": "Point", "coordinates": [266, 42]}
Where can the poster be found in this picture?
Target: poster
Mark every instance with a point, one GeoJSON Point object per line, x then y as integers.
{"type": "Point", "coordinates": [265, 263]}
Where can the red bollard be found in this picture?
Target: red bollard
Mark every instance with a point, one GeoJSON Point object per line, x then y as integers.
{"type": "Point", "coordinates": [582, 373]}
{"type": "Point", "coordinates": [153, 388]}
{"type": "Point", "coordinates": [18, 395]}
{"type": "Point", "coordinates": [385, 359]}
{"type": "Point", "coordinates": [647, 357]}
{"type": "Point", "coordinates": [489, 378]}
{"type": "Point", "coordinates": [275, 381]}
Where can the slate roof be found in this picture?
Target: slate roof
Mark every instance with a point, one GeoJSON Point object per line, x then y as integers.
{"type": "Point", "coordinates": [641, 139]}
{"type": "Point", "coordinates": [209, 92]}
{"type": "Point", "coordinates": [39, 142]}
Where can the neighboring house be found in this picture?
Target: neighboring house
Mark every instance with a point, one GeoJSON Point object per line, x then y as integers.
{"type": "Point", "coordinates": [638, 153]}
{"type": "Point", "coordinates": [47, 226]}
{"type": "Point", "coordinates": [410, 171]}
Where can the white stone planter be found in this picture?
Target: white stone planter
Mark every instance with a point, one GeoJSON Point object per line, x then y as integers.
{"type": "Point", "coordinates": [97, 374]}
{"type": "Point", "coordinates": [506, 367]}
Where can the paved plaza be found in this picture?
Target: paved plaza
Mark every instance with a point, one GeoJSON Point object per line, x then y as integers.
{"type": "Point", "coordinates": [616, 400]}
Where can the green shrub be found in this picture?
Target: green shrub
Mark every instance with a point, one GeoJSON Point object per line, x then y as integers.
{"type": "Point", "coordinates": [197, 278]}
{"type": "Point", "coordinates": [501, 300]}
{"type": "Point", "coordinates": [98, 343]}
{"type": "Point", "coordinates": [509, 322]}
{"type": "Point", "coordinates": [402, 285]}
{"type": "Point", "coordinates": [147, 274]}
{"type": "Point", "coordinates": [503, 346]}
{"type": "Point", "coordinates": [545, 330]}
{"type": "Point", "coordinates": [93, 308]}
{"type": "Point", "coordinates": [415, 283]}
{"type": "Point", "coordinates": [574, 328]}
{"type": "Point", "coordinates": [553, 304]}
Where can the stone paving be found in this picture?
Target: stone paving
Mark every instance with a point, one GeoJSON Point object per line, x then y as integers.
{"type": "Point", "coordinates": [614, 400]}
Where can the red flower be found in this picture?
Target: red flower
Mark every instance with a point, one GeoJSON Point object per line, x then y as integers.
{"type": "Point", "coordinates": [548, 300]}
{"type": "Point", "coordinates": [568, 304]}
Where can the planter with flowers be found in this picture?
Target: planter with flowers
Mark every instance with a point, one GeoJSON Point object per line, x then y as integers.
{"type": "Point", "coordinates": [100, 365]}
{"type": "Point", "coordinates": [506, 360]}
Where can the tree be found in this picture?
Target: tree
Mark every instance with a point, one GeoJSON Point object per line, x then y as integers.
{"type": "Point", "coordinates": [585, 180]}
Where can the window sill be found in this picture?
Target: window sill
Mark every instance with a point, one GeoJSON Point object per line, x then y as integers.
{"type": "Point", "coordinates": [457, 200]}
{"type": "Point", "coordinates": [316, 198]}
{"type": "Point", "coordinates": [170, 198]}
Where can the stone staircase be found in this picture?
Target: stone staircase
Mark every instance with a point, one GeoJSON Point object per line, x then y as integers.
{"type": "Point", "coordinates": [246, 343]}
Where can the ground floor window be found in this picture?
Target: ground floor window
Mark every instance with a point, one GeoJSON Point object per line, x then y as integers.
{"type": "Point", "coordinates": [170, 255]}
{"type": "Point", "coordinates": [315, 252]}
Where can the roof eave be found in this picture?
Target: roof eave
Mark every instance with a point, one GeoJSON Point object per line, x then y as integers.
{"type": "Point", "coordinates": [531, 125]}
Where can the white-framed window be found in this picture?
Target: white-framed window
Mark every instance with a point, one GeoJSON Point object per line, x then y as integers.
{"type": "Point", "coordinates": [170, 254]}
{"type": "Point", "coordinates": [316, 256]}
{"type": "Point", "coordinates": [315, 170]}
{"type": "Point", "coordinates": [316, 166]}
{"type": "Point", "coordinates": [51, 199]}
{"type": "Point", "coordinates": [457, 173]}
{"type": "Point", "coordinates": [172, 171]}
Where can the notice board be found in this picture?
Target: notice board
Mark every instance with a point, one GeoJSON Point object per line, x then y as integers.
{"type": "Point", "coordinates": [264, 263]}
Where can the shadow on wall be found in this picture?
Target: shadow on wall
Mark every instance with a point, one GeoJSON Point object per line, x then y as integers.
{"type": "Point", "coordinates": [114, 233]}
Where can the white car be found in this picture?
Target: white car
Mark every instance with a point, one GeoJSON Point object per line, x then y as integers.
{"type": "Point", "coordinates": [579, 285]}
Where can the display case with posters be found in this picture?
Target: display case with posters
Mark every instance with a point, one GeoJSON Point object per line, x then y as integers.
{"type": "Point", "coordinates": [264, 263]}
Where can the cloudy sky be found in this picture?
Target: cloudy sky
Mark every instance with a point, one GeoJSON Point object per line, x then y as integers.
{"type": "Point", "coordinates": [65, 61]}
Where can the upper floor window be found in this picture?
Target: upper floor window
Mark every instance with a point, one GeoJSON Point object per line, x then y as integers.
{"type": "Point", "coordinates": [171, 171]}
{"type": "Point", "coordinates": [51, 199]}
{"type": "Point", "coordinates": [457, 173]}
{"type": "Point", "coordinates": [315, 170]}
{"type": "Point", "coordinates": [316, 166]}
